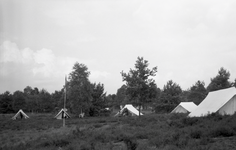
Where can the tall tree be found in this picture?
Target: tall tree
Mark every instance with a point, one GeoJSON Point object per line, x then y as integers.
{"type": "Point", "coordinates": [57, 99]}
{"type": "Point", "coordinates": [45, 101]}
{"type": "Point", "coordinates": [19, 101]}
{"type": "Point", "coordinates": [28, 90]}
{"type": "Point", "coordinates": [121, 97]}
{"type": "Point", "coordinates": [221, 81]}
{"type": "Point", "coordinates": [6, 102]}
{"type": "Point", "coordinates": [32, 99]}
{"type": "Point", "coordinates": [171, 93]}
{"type": "Point", "coordinates": [197, 92]}
{"type": "Point", "coordinates": [79, 89]}
{"type": "Point", "coordinates": [110, 100]}
{"type": "Point", "coordinates": [98, 99]}
{"type": "Point", "coordinates": [139, 83]}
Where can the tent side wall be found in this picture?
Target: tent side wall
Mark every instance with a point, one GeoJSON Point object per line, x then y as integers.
{"type": "Point", "coordinates": [59, 116]}
{"type": "Point", "coordinates": [229, 108]}
{"type": "Point", "coordinates": [180, 109]}
{"type": "Point", "coordinates": [132, 111]}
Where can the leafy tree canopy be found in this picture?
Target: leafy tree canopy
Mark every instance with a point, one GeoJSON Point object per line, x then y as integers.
{"type": "Point", "coordinates": [79, 89]}
{"type": "Point", "coordinates": [139, 82]}
{"type": "Point", "coordinates": [19, 101]}
{"type": "Point", "coordinates": [6, 102]}
{"type": "Point", "coordinates": [121, 98]}
{"type": "Point", "coordinates": [221, 81]}
{"type": "Point", "coordinates": [171, 93]}
{"type": "Point", "coordinates": [98, 99]}
{"type": "Point", "coordinates": [197, 92]}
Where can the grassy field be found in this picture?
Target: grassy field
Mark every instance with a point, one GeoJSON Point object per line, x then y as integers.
{"type": "Point", "coordinates": [153, 132]}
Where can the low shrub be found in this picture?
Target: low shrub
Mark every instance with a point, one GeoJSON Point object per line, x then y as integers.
{"type": "Point", "coordinates": [164, 108]}
{"type": "Point", "coordinates": [131, 143]}
{"type": "Point", "coordinates": [223, 131]}
{"type": "Point", "coordinates": [190, 121]}
{"type": "Point", "coordinates": [196, 134]}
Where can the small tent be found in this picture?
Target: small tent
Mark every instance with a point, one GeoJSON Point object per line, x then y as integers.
{"type": "Point", "coordinates": [62, 114]}
{"type": "Point", "coordinates": [128, 110]}
{"type": "Point", "coordinates": [20, 114]}
{"type": "Point", "coordinates": [221, 101]}
{"type": "Point", "coordinates": [184, 107]}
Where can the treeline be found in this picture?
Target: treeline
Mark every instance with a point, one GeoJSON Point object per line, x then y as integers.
{"type": "Point", "coordinates": [139, 89]}
{"type": "Point", "coordinates": [139, 80]}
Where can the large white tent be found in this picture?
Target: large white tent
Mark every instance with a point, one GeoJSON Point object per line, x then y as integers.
{"type": "Point", "coordinates": [184, 107]}
{"type": "Point", "coordinates": [62, 114]}
{"type": "Point", "coordinates": [221, 101]}
{"type": "Point", "coordinates": [130, 109]}
{"type": "Point", "coordinates": [20, 114]}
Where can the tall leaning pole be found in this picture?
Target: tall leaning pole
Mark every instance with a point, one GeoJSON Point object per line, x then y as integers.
{"type": "Point", "coordinates": [63, 115]}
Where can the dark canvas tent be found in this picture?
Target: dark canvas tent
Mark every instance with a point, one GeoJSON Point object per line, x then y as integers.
{"type": "Point", "coordinates": [20, 114]}
{"type": "Point", "coordinates": [62, 114]}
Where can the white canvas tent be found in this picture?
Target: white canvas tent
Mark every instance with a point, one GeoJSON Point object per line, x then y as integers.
{"type": "Point", "coordinates": [62, 114]}
{"type": "Point", "coordinates": [20, 114]}
{"type": "Point", "coordinates": [221, 101]}
{"type": "Point", "coordinates": [130, 110]}
{"type": "Point", "coordinates": [184, 107]}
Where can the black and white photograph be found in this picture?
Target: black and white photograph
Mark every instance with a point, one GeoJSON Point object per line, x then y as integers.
{"type": "Point", "coordinates": [117, 75]}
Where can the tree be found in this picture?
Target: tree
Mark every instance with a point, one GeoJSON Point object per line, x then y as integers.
{"type": "Point", "coordinates": [98, 99]}
{"type": "Point", "coordinates": [171, 93]}
{"type": "Point", "coordinates": [220, 81]}
{"type": "Point", "coordinates": [155, 93]}
{"type": "Point", "coordinates": [79, 89]}
{"type": "Point", "coordinates": [121, 97]}
{"type": "Point", "coordinates": [110, 100]}
{"type": "Point", "coordinates": [32, 99]}
{"type": "Point", "coordinates": [45, 101]}
{"type": "Point", "coordinates": [57, 99]}
{"type": "Point", "coordinates": [139, 83]}
{"type": "Point", "coordinates": [19, 101]}
{"type": "Point", "coordinates": [197, 92]}
{"type": "Point", "coordinates": [28, 90]}
{"type": "Point", "coordinates": [6, 102]}
{"type": "Point", "coordinates": [234, 84]}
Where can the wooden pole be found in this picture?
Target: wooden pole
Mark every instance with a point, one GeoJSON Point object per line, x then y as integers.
{"type": "Point", "coordinates": [64, 120]}
{"type": "Point", "coordinates": [63, 114]}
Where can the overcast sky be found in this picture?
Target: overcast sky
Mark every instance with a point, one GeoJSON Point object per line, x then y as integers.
{"type": "Point", "coordinates": [40, 40]}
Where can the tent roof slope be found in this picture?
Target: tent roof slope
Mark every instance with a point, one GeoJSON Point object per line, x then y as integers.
{"type": "Point", "coordinates": [213, 102]}
{"type": "Point", "coordinates": [22, 112]}
{"type": "Point", "coordinates": [130, 108]}
{"type": "Point", "coordinates": [189, 106]}
{"type": "Point", "coordinates": [62, 110]}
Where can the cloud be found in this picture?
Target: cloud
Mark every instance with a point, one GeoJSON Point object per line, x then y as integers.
{"type": "Point", "coordinates": [9, 52]}
{"type": "Point", "coordinates": [46, 60]}
{"type": "Point", "coordinates": [39, 62]}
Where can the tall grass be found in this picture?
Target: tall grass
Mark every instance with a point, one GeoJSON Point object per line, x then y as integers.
{"type": "Point", "coordinates": [154, 131]}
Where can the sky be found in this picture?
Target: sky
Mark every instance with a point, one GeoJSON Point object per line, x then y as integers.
{"type": "Point", "coordinates": [41, 40]}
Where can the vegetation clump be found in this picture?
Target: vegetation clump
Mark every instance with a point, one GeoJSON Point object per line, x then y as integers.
{"type": "Point", "coordinates": [154, 131]}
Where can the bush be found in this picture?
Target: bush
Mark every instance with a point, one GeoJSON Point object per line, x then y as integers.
{"type": "Point", "coordinates": [164, 108]}
{"type": "Point", "coordinates": [190, 121]}
{"type": "Point", "coordinates": [223, 131]}
{"type": "Point", "coordinates": [197, 134]}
